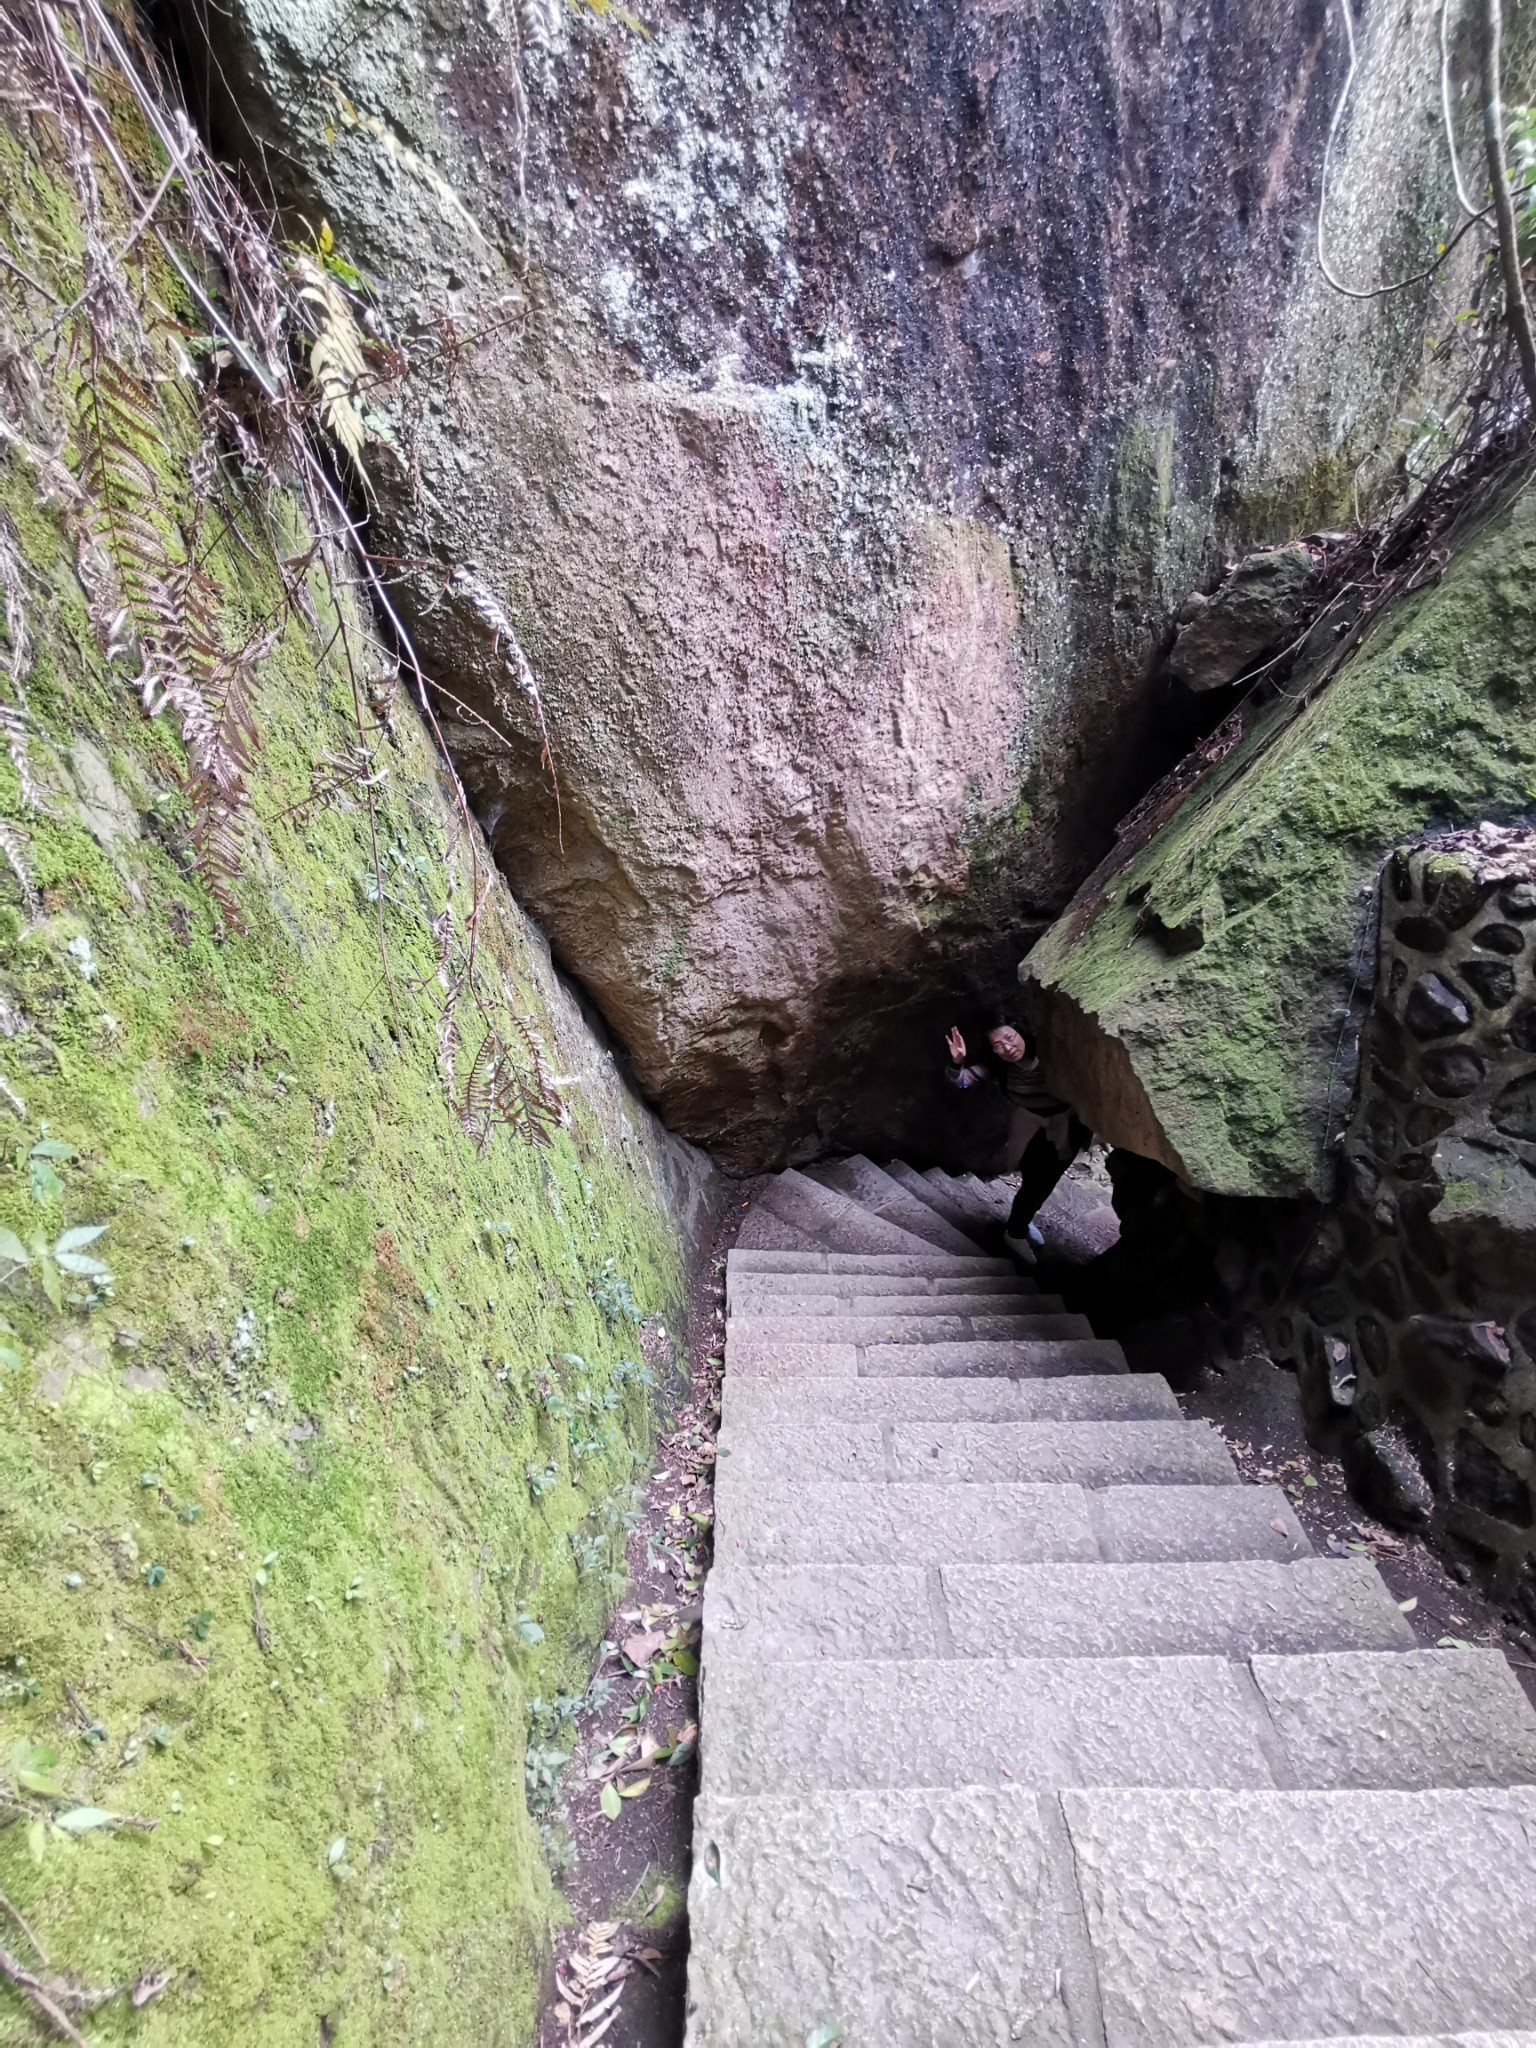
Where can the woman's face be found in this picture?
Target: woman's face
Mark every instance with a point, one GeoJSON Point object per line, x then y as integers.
{"type": "Point", "coordinates": [1007, 1043]}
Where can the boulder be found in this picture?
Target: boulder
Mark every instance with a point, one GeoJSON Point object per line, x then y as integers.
{"type": "Point", "coordinates": [1201, 997]}
{"type": "Point", "coordinates": [1258, 609]}
{"type": "Point", "coordinates": [830, 406]}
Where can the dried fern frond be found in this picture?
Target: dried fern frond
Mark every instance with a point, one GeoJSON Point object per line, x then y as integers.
{"type": "Point", "coordinates": [164, 607]}
{"type": "Point", "coordinates": [336, 360]}
{"type": "Point", "coordinates": [15, 860]}
{"type": "Point", "coordinates": [509, 1087]}
{"type": "Point", "coordinates": [338, 780]}
{"type": "Point", "coordinates": [14, 716]}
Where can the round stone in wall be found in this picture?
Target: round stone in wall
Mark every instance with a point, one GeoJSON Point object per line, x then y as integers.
{"type": "Point", "coordinates": [1500, 938]}
{"type": "Point", "coordinates": [1434, 1009]}
{"type": "Point", "coordinates": [1492, 981]}
{"type": "Point", "coordinates": [1452, 1070]}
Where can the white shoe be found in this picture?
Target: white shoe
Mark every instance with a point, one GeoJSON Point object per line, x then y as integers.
{"type": "Point", "coordinates": [1021, 1248]}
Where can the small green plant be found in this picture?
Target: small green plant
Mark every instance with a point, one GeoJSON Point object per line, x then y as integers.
{"type": "Point", "coordinates": [613, 1295]}
{"type": "Point", "coordinates": [542, 1477]}
{"type": "Point", "coordinates": [50, 1263]}
{"type": "Point", "coordinates": [43, 1161]}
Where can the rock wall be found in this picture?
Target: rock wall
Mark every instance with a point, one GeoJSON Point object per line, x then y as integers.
{"type": "Point", "coordinates": [854, 394]}
{"type": "Point", "coordinates": [314, 1463]}
{"type": "Point", "coordinates": [1196, 999]}
{"type": "Point", "coordinates": [1415, 1329]}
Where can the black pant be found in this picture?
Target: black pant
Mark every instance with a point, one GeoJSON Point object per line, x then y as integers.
{"type": "Point", "coordinates": [1040, 1169]}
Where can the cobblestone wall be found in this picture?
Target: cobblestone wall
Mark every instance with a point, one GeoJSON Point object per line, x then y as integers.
{"type": "Point", "coordinates": [1417, 1338]}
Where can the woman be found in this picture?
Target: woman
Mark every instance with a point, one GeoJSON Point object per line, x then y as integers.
{"type": "Point", "coordinates": [1058, 1133]}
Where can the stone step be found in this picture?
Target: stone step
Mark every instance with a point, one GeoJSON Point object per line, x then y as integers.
{"type": "Point", "coordinates": [926, 1190]}
{"type": "Point", "coordinates": [768, 1523]}
{"type": "Point", "coordinates": [924, 1263]}
{"type": "Point", "coordinates": [1244, 1609]}
{"type": "Point", "coordinates": [1039, 1723]}
{"type": "Point", "coordinates": [1411, 1721]}
{"type": "Point", "coordinates": [863, 1182]}
{"type": "Point", "coordinates": [904, 1919]}
{"type": "Point", "coordinates": [762, 1231]}
{"type": "Point", "coordinates": [1402, 2041]}
{"type": "Point", "coordinates": [892, 1286]}
{"type": "Point", "coordinates": [908, 1329]}
{"type": "Point", "coordinates": [764, 1524]}
{"type": "Point", "coordinates": [1255, 1916]}
{"type": "Point", "coordinates": [1092, 1397]}
{"type": "Point", "coordinates": [832, 1220]}
{"type": "Point", "coordinates": [758, 1358]}
{"type": "Point", "coordinates": [961, 1197]}
{"type": "Point", "coordinates": [748, 1299]}
{"type": "Point", "coordinates": [1050, 1723]}
{"type": "Point", "coordinates": [992, 1198]}
{"type": "Point", "coordinates": [956, 1453]}
{"type": "Point", "coordinates": [1197, 1524]}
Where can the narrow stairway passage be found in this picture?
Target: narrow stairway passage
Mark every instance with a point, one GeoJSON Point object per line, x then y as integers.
{"type": "Point", "coordinates": [1026, 1721]}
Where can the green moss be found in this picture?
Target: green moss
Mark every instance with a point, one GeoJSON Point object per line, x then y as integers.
{"type": "Point", "coordinates": [338, 1338]}
{"type": "Point", "coordinates": [1324, 498]}
{"type": "Point", "coordinates": [1220, 954]}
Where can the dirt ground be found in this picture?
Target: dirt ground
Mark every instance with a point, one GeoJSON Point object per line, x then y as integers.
{"type": "Point", "coordinates": [621, 1965]}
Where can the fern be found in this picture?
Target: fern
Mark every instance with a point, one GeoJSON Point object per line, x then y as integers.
{"type": "Point", "coordinates": [510, 1088]}
{"type": "Point", "coordinates": [14, 716]}
{"type": "Point", "coordinates": [165, 609]}
{"type": "Point", "coordinates": [336, 360]}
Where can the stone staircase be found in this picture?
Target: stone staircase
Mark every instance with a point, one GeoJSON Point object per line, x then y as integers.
{"type": "Point", "coordinates": [1025, 1722]}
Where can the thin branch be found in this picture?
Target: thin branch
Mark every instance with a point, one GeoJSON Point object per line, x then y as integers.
{"type": "Point", "coordinates": [41, 2000]}
{"type": "Point", "coordinates": [1380, 291]}
{"type": "Point", "coordinates": [1447, 116]}
{"type": "Point", "coordinates": [42, 1953]}
{"type": "Point", "coordinates": [1516, 310]}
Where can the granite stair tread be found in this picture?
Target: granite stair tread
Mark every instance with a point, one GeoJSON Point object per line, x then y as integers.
{"type": "Point", "coordinates": [1007, 1521]}
{"type": "Point", "coordinates": [1024, 1720]}
{"type": "Point", "coordinates": [955, 1453]}
{"type": "Point", "coordinates": [873, 1189]}
{"type": "Point", "coordinates": [961, 1217]}
{"type": "Point", "coordinates": [1247, 1608]}
{"type": "Point", "coordinates": [815, 1357]}
{"type": "Point", "coordinates": [888, 1328]}
{"type": "Point", "coordinates": [1090, 1397]}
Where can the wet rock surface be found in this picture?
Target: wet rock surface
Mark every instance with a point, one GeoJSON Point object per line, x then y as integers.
{"type": "Point", "coordinates": [852, 399]}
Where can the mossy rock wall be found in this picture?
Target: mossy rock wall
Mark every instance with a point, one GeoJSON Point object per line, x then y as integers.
{"type": "Point", "coordinates": [300, 1513]}
{"type": "Point", "coordinates": [1193, 999]}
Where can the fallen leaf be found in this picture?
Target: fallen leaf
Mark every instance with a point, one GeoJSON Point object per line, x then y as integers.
{"type": "Point", "coordinates": [609, 1801]}
{"type": "Point", "coordinates": [640, 1649]}
{"type": "Point", "coordinates": [634, 1788]}
{"type": "Point", "coordinates": [79, 1820]}
{"type": "Point", "coordinates": [1407, 1606]}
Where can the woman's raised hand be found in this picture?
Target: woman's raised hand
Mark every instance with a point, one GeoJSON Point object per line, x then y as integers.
{"type": "Point", "coordinates": [956, 1044]}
